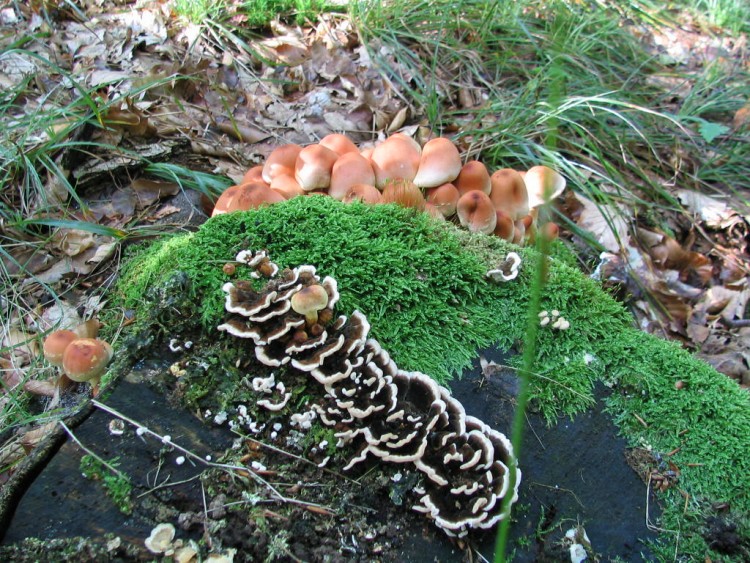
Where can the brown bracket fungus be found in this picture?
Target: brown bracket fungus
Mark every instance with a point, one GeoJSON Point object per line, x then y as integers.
{"type": "Point", "coordinates": [381, 411]}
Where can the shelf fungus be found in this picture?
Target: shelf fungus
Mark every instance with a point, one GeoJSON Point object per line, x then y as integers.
{"type": "Point", "coordinates": [507, 270]}
{"type": "Point", "coordinates": [379, 410]}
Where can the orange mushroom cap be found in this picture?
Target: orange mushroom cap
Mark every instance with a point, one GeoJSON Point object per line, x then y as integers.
{"type": "Point", "coordinates": [338, 143]}
{"type": "Point", "coordinates": [281, 160]}
{"type": "Point", "coordinates": [543, 184]}
{"type": "Point", "coordinates": [504, 227]}
{"type": "Point", "coordinates": [404, 193]}
{"type": "Point", "coordinates": [476, 212]}
{"type": "Point", "coordinates": [396, 158]}
{"type": "Point", "coordinates": [440, 163]}
{"type": "Point", "coordinates": [86, 359]}
{"type": "Point", "coordinates": [287, 186]}
{"type": "Point", "coordinates": [473, 176]}
{"type": "Point", "coordinates": [350, 169]}
{"type": "Point", "coordinates": [254, 174]}
{"type": "Point", "coordinates": [509, 193]}
{"type": "Point", "coordinates": [364, 193]}
{"type": "Point", "coordinates": [444, 198]}
{"type": "Point", "coordinates": [55, 344]}
{"type": "Point", "coordinates": [245, 196]}
{"type": "Point", "coordinates": [313, 167]}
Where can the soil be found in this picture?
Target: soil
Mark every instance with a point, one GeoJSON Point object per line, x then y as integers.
{"type": "Point", "coordinates": [575, 477]}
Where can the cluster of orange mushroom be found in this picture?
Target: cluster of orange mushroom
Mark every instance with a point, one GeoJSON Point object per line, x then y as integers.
{"type": "Point", "coordinates": [80, 359]}
{"type": "Point", "coordinates": [398, 170]}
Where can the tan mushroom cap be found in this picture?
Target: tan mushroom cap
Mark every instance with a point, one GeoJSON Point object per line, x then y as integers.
{"type": "Point", "coordinates": [403, 193]}
{"type": "Point", "coordinates": [350, 169]}
{"type": "Point", "coordinates": [476, 212]}
{"type": "Point", "coordinates": [245, 196]}
{"type": "Point", "coordinates": [55, 344]}
{"type": "Point", "coordinates": [543, 184]}
{"type": "Point", "coordinates": [440, 163]}
{"type": "Point", "coordinates": [313, 167]}
{"type": "Point", "coordinates": [287, 186]}
{"type": "Point", "coordinates": [281, 160]}
{"type": "Point", "coordinates": [444, 198]}
{"type": "Point", "coordinates": [365, 193]}
{"type": "Point", "coordinates": [396, 158]}
{"type": "Point", "coordinates": [254, 174]}
{"type": "Point", "coordinates": [338, 143]}
{"type": "Point", "coordinates": [509, 193]}
{"type": "Point", "coordinates": [504, 226]}
{"type": "Point", "coordinates": [309, 300]}
{"type": "Point", "coordinates": [86, 359]}
{"type": "Point", "coordinates": [433, 211]}
{"type": "Point", "coordinates": [473, 176]}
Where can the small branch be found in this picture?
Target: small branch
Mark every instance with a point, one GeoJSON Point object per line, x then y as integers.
{"type": "Point", "coordinates": [224, 466]}
{"type": "Point", "coordinates": [91, 453]}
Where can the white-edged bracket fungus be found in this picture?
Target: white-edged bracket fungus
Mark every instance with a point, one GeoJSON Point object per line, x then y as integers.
{"type": "Point", "coordinates": [506, 271]}
{"type": "Point", "coordinates": [383, 412]}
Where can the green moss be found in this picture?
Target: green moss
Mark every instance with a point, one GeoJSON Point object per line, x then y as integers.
{"type": "Point", "coordinates": [421, 283]}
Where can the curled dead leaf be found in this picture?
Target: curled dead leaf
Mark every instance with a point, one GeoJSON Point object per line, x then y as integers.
{"type": "Point", "coordinates": [150, 191]}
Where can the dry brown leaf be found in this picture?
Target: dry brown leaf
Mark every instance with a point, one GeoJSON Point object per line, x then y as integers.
{"type": "Point", "coordinates": [22, 346]}
{"type": "Point", "coordinates": [164, 211]}
{"type": "Point", "coordinates": [150, 191]}
{"type": "Point", "coordinates": [44, 388]}
{"type": "Point", "coordinates": [604, 222]}
{"type": "Point", "coordinates": [72, 241]}
{"type": "Point", "coordinates": [712, 212]}
{"type": "Point", "coordinates": [34, 437]}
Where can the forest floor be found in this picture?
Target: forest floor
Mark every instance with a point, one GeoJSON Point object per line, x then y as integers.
{"type": "Point", "coordinates": [123, 121]}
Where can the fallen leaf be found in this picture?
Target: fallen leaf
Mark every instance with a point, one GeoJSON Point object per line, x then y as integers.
{"type": "Point", "coordinates": [604, 222]}
{"type": "Point", "coordinates": [150, 191]}
{"type": "Point", "coordinates": [73, 241]}
{"type": "Point", "coordinates": [712, 211]}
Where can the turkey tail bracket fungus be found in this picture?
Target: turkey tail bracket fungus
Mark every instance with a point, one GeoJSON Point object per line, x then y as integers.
{"type": "Point", "coordinates": [380, 411]}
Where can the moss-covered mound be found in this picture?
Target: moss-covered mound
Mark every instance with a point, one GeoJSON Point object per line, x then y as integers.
{"type": "Point", "coordinates": [421, 283]}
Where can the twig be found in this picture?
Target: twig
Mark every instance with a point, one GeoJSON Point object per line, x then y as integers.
{"type": "Point", "coordinates": [224, 466]}
{"type": "Point", "coordinates": [91, 453]}
{"type": "Point", "coordinates": [556, 488]}
{"type": "Point", "coordinates": [538, 439]}
{"type": "Point", "coordinates": [166, 484]}
{"type": "Point", "coordinates": [297, 457]}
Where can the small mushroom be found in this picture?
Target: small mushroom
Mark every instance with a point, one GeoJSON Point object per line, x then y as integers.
{"type": "Point", "coordinates": [313, 167]}
{"type": "Point", "coordinates": [364, 193]}
{"type": "Point", "coordinates": [476, 212]}
{"type": "Point", "coordinates": [254, 174]}
{"type": "Point", "coordinates": [542, 184]}
{"type": "Point", "coordinates": [287, 185]}
{"type": "Point", "coordinates": [86, 359]}
{"type": "Point", "coordinates": [281, 161]}
{"type": "Point", "coordinates": [55, 344]}
{"type": "Point", "coordinates": [444, 198]}
{"type": "Point", "coordinates": [245, 196]}
{"type": "Point", "coordinates": [440, 163]}
{"type": "Point", "coordinates": [509, 193]}
{"type": "Point", "coordinates": [309, 300]}
{"type": "Point", "coordinates": [396, 158]}
{"type": "Point", "coordinates": [349, 170]}
{"type": "Point", "coordinates": [473, 176]}
{"type": "Point", "coordinates": [403, 193]}
{"type": "Point", "coordinates": [338, 143]}
{"type": "Point", "coordinates": [160, 539]}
